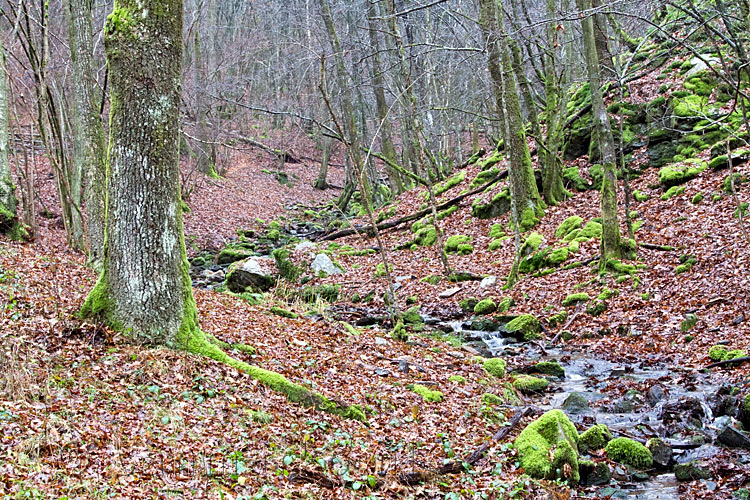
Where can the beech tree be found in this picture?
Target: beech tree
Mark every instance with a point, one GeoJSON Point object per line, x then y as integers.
{"type": "Point", "coordinates": [144, 288]}
{"type": "Point", "coordinates": [611, 247]}
{"type": "Point", "coordinates": [89, 145]}
{"type": "Point", "coordinates": [8, 221]}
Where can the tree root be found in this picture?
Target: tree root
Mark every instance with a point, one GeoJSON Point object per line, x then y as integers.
{"type": "Point", "coordinates": [199, 342]}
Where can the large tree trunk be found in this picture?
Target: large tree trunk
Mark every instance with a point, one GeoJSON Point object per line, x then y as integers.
{"type": "Point", "coordinates": [144, 288]}
{"type": "Point", "coordinates": [89, 138]}
{"type": "Point", "coordinates": [8, 202]}
{"type": "Point", "coordinates": [610, 244]}
{"type": "Point", "coordinates": [523, 185]}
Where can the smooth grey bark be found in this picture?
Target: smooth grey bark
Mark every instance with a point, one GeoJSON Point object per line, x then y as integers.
{"type": "Point", "coordinates": [611, 247]}
{"type": "Point", "coordinates": [8, 200]}
{"type": "Point", "coordinates": [89, 144]}
{"type": "Point", "coordinates": [144, 288]}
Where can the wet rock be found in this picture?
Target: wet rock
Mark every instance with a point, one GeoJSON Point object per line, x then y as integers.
{"type": "Point", "coordinates": [630, 402]}
{"type": "Point", "coordinates": [729, 433]}
{"type": "Point", "coordinates": [449, 292]}
{"type": "Point", "coordinates": [682, 413]}
{"type": "Point", "coordinates": [323, 263]}
{"type": "Point", "coordinates": [594, 474]}
{"type": "Point", "coordinates": [488, 282]}
{"type": "Point", "coordinates": [576, 404]}
{"type": "Point", "coordinates": [656, 394]}
{"type": "Point", "coordinates": [661, 452]}
{"type": "Point", "coordinates": [691, 471]}
{"type": "Point", "coordinates": [259, 274]}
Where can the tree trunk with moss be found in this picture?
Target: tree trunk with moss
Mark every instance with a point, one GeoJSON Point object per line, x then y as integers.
{"type": "Point", "coordinates": [144, 288]}
{"type": "Point", "coordinates": [8, 221]}
{"type": "Point", "coordinates": [89, 146]}
{"type": "Point", "coordinates": [611, 247]}
{"type": "Point", "coordinates": [523, 185]}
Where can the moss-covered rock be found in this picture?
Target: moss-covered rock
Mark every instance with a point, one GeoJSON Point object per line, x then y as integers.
{"type": "Point", "coordinates": [450, 182]}
{"type": "Point", "coordinates": [686, 264]}
{"type": "Point", "coordinates": [458, 243]}
{"type": "Point", "coordinates": [531, 244]}
{"type": "Point", "coordinates": [557, 319]}
{"type": "Point", "coordinates": [691, 471]}
{"type": "Point", "coordinates": [551, 368]}
{"type": "Point", "coordinates": [412, 317]}
{"type": "Point", "coordinates": [505, 304]}
{"type": "Point", "coordinates": [483, 177]}
{"type": "Point", "coordinates": [285, 313]}
{"type": "Point", "coordinates": [232, 254]}
{"type": "Point", "coordinates": [427, 394]}
{"type": "Point", "coordinates": [528, 384]}
{"type": "Point", "coordinates": [426, 236]}
{"type": "Point", "coordinates": [674, 175]}
{"type": "Point", "coordinates": [594, 439]}
{"type": "Point", "coordinates": [525, 326]}
{"type": "Point", "coordinates": [499, 205]}
{"type": "Point", "coordinates": [572, 179]}
{"type": "Point", "coordinates": [546, 448]}
{"type": "Point", "coordinates": [558, 256]}
{"type": "Point", "coordinates": [457, 379]}
{"type": "Point", "coordinates": [672, 192]}
{"type": "Point", "coordinates": [497, 231]}
{"type": "Point", "coordinates": [570, 224]}
{"type": "Point", "coordinates": [468, 304]}
{"type": "Point", "coordinates": [495, 367]}
{"type": "Point", "coordinates": [491, 399]}
{"type": "Point", "coordinates": [485, 306]}
{"type": "Point", "coordinates": [592, 230]}
{"type": "Point", "coordinates": [630, 453]}
{"type": "Point", "coordinates": [717, 352]}
{"type": "Point", "coordinates": [575, 298]}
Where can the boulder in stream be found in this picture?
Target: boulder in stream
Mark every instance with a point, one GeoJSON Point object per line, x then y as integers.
{"type": "Point", "coordinates": [661, 452]}
{"type": "Point", "coordinates": [691, 471]}
{"type": "Point", "coordinates": [729, 433]}
{"type": "Point", "coordinates": [576, 404]}
{"type": "Point", "coordinates": [547, 447]}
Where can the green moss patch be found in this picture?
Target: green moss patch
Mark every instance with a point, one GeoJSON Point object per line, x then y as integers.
{"type": "Point", "coordinates": [427, 394]}
{"type": "Point", "coordinates": [570, 224]}
{"type": "Point", "coordinates": [528, 384]}
{"type": "Point", "coordinates": [485, 306]}
{"type": "Point", "coordinates": [575, 298]}
{"type": "Point", "coordinates": [546, 448]}
{"type": "Point", "coordinates": [674, 175]}
{"type": "Point", "coordinates": [594, 439]}
{"type": "Point", "coordinates": [525, 326]}
{"type": "Point", "coordinates": [495, 367]}
{"type": "Point", "coordinates": [630, 453]}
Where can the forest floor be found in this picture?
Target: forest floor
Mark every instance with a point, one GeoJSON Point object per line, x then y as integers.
{"type": "Point", "coordinates": [85, 414]}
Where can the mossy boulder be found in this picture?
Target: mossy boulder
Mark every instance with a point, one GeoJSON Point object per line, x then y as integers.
{"type": "Point", "coordinates": [526, 327]}
{"type": "Point", "coordinates": [468, 304]}
{"type": "Point", "coordinates": [450, 182]}
{"type": "Point", "coordinates": [572, 179]}
{"type": "Point", "coordinates": [499, 205]}
{"type": "Point", "coordinates": [558, 256]}
{"type": "Point", "coordinates": [497, 231]}
{"type": "Point", "coordinates": [674, 175]}
{"type": "Point", "coordinates": [551, 368]}
{"type": "Point", "coordinates": [570, 224]}
{"type": "Point", "coordinates": [528, 384]}
{"type": "Point", "coordinates": [458, 244]}
{"type": "Point", "coordinates": [672, 192]}
{"type": "Point", "coordinates": [531, 244]}
{"type": "Point", "coordinates": [629, 452]}
{"type": "Point", "coordinates": [492, 399]}
{"type": "Point", "coordinates": [412, 317]}
{"type": "Point", "coordinates": [495, 367]}
{"type": "Point", "coordinates": [427, 394]}
{"type": "Point", "coordinates": [594, 439]}
{"type": "Point", "coordinates": [485, 306]}
{"type": "Point", "coordinates": [505, 304]}
{"type": "Point", "coordinates": [426, 236]}
{"type": "Point", "coordinates": [232, 254]}
{"type": "Point", "coordinates": [575, 298]}
{"type": "Point", "coordinates": [547, 448]}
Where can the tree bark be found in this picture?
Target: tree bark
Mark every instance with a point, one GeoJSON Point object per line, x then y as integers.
{"type": "Point", "coordinates": [144, 287]}
{"type": "Point", "coordinates": [611, 247]}
{"type": "Point", "coordinates": [89, 137]}
{"type": "Point", "coordinates": [523, 185]}
{"type": "Point", "coordinates": [8, 202]}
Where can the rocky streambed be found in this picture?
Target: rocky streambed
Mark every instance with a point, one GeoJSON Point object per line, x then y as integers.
{"type": "Point", "coordinates": [692, 423]}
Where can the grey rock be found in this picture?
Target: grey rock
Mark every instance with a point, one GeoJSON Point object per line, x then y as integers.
{"type": "Point", "coordinates": [449, 292]}
{"type": "Point", "coordinates": [661, 452]}
{"type": "Point", "coordinates": [575, 404]}
{"type": "Point", "coordinates": [729, 433]}
{"type": "Point", "coordinates": [304, 245]}
{"type": "Point", "coordinates": [595, 476]}
{"type": "Point", "coordinates": [323, 262]}
{"type": "Point", "coordinates": [488, 282]}
{"type": "Point", "coordinates": [259, 274]}
{"type": "Point", "coordinates": [655, 394]}
{"type": "Point", "coordinates": [380, 341]}
{"type": "Point", "coordinates": [691, 471]}
{"type": "Point", "coordinates": [699, 65]}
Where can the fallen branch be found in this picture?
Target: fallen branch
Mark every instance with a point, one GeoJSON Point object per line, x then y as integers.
{"type": "Point", "coordinates": [654, 246]}
{"type": "Point", "coordinates": [416, 477]}
{"type": "Point", "coordinates": [559, 334]}
{"type": "Point", "coordinates": [286, 156]}
{"type": "Point", "coordinates": [418, 215]}
{"type": "Point", "coordinates": [739, 361]}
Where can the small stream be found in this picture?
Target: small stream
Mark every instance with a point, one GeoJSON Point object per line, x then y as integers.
{"type": "Point", "coordinates": [677, 407]}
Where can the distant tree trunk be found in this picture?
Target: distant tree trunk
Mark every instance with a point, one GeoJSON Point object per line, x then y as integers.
{"type": "Point", "coordinates": [89, 137]}
{"type": "Point", "coordinates": [8, 220]}
{"type": "Point", "coordinates": [523, 185]}
{"type": "Point", "coordinates": [144, 287]}
{"type": "Point", "coordinates": [610, 244]}
{"type": "Point", "coordinates": [347, 110]}
{"type": "Point", "coordinates": [556, 104]}
{"type": "Point", "coordinates": [601, 40]}
{"type": "Point", "coordinates": [327, 144]}
{"type": "Point", "coordinates": [378, 88]}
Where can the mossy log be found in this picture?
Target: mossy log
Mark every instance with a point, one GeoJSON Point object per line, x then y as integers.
{"type": "Point", "coordinates": [415, 216]}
